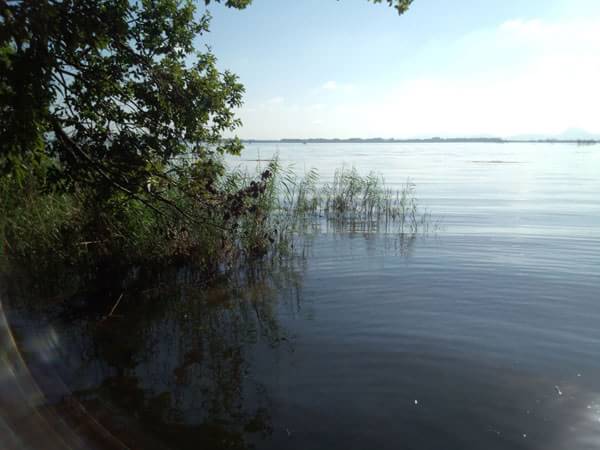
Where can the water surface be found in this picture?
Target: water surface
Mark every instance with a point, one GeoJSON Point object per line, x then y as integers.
{"type": "Point", "coordinates": [484, 335]}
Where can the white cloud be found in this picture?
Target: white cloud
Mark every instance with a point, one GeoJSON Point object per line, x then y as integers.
{"type": "Point", "coordinates": [560, 34]}
{"type": "Point", "coordinates": [337, 86]}
{"type": "Point", "coordinates": [275, 101]}
{"type": "Point", "coordinates": [315, 107]}
{"type": "Point", "coordinates": [271, 104]}
{"type": "Point", "coordinates": [521, 77]}
{"type": "Point", "coordinates": [554, 88]}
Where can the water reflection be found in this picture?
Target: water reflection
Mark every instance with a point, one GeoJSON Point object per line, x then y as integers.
{"type": "Point", "coordinates": [457, 342]}
{"type": "Point", "coordinates": [171, 367]}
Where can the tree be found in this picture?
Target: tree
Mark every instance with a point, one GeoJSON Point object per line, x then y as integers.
{"type": "Point", "coordinates": [113, 96]}
{"type": "Point", "coordinates": [400, 5]}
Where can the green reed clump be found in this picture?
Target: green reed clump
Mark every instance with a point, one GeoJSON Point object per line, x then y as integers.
{"type": "Point", "coordinates": [351, 202]}
{"type": "Point", "coordinates": [40, 224]}
{"type": "Point", "coordinates": [253, 215]}
{"type": "Point", "coordinates": [32, 223]}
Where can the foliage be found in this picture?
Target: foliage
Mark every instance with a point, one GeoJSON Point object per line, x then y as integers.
{"type": "Point", "coordinates": [279, 208]}
{"type": "Point", "coordinates": [111, 91]}
{"type": "Point", "coordinates": [107, 93]}
{"type": "Point", "coordinates": [111, 121]}
{"type": "Point", "coordinates": [400, 5]}
{"type": "Point", "coordinates": [38, 225]}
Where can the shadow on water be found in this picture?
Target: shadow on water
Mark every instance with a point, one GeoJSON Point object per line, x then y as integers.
{"type": "Point", "coordinates": [361, 341]}
{"type": "Point", "coordinates": [162, 360]}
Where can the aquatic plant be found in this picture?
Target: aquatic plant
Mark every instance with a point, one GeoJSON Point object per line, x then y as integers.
{"type": "Point", "coordinates": [265, 212]}
{"type": "Point", "coordinates": [351, 202]}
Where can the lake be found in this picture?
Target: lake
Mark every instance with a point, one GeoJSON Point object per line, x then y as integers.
{"type": "Point", "coordinates": [484, 334]}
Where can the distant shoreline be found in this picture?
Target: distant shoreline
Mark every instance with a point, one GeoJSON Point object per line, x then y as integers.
{"type": "Point", "coordinates": [434, 140]}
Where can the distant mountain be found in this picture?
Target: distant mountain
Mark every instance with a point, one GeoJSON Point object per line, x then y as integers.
{"type": "Point", "coordinates": [373, 140]}
{"type": "Point", "coordinates": [571, 134]}
{"type": "Point", "coordinates": [577, 133]}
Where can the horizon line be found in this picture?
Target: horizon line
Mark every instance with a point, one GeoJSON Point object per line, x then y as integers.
{"type": "Point", "coordinates": [434, 139]}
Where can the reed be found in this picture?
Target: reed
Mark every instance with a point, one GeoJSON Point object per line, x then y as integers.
{"type": "Point", "coordinates": [351, 202]}
{"type": "Point", "coordinates": [38, 224]}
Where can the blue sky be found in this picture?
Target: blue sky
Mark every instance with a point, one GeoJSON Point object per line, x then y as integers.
{"type": "Point", "coordinates": [326, 68]}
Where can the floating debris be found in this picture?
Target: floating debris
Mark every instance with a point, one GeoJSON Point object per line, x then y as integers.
{"type": "Point", "coordinates": [558, 391]}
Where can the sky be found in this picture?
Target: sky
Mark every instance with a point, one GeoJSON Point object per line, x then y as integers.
{"type": "Point", "coordinates": [349, 68]}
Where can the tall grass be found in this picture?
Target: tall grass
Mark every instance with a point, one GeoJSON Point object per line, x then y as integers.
{"type": "Point", "coordinates": [39, 224]}
{"type": "Point", "coordinates": [350, 202]}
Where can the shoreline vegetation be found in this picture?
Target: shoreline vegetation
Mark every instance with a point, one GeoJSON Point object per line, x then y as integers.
{"type": "Point", "coordinates": [112, 150]}
{"type": "Point", "coordinates": [277, 208]}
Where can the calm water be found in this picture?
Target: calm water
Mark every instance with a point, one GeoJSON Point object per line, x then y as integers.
{"type": "Point", "coordinates": [485, 335]}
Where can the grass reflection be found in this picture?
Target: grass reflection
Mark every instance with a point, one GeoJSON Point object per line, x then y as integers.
{"type": "Point", "coordinates": [172, 367]}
